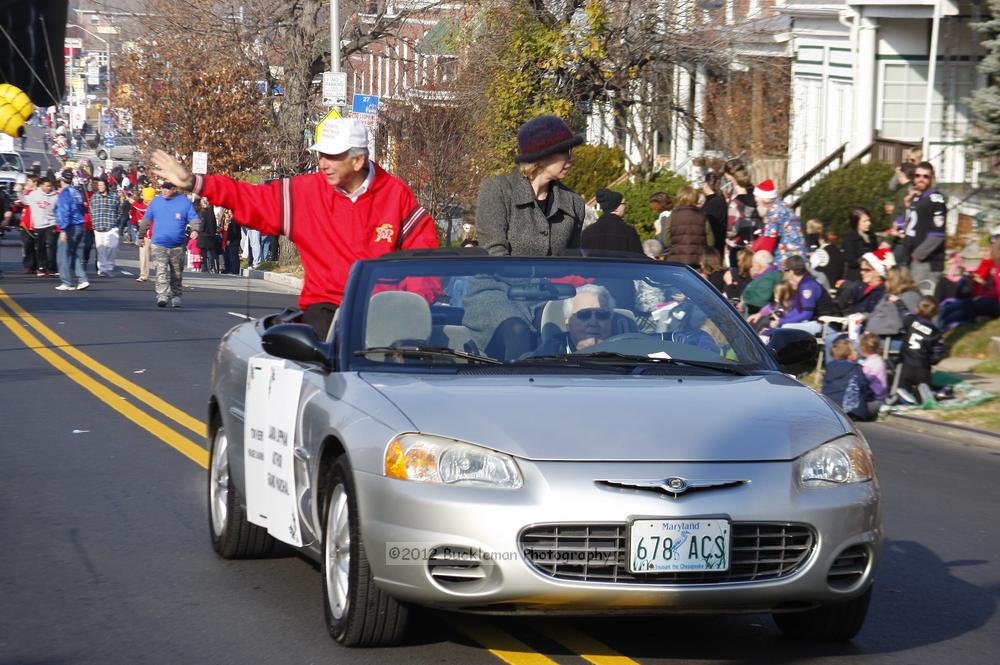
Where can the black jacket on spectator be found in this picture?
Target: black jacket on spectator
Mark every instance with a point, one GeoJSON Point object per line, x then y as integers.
{"type": "Point", "coordinates": [209, 229]}
{"type": "Point", "coordinates": [612, 233]}
{"type": "Point", "coordinates": [830, 261]}
{"type": "Point", "coordinates": [865, 301]}
{"type": "Point", "coordinates": [716, 211]}
{"type": "Point", "coordinates": [855, 246]}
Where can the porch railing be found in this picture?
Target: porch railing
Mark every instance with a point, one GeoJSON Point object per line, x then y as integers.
{"type": "Point", "coordinates": [889, 151]}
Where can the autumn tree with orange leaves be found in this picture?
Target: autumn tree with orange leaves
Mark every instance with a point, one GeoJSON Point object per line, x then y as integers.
{"type": "Point", "coordinates": [186, 99]}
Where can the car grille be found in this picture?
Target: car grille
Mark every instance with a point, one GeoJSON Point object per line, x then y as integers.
{"type": "Point", "coordinates": [848, 567]}
{"type": "Point", "coordinates": [597, 553]}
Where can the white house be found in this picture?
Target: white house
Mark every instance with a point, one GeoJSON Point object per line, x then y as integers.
{"type": "Point", "coordinates": [865, 66]}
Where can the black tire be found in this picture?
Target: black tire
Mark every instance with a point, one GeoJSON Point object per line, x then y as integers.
{"type": "Point", "coordinates": [369, 617]}
{"type": "Point", "coordinates": [233, 536]}
{"type": "Point", "coordinates": [102, 154]}
{"type": "Point", "coordinates": [838, 622]}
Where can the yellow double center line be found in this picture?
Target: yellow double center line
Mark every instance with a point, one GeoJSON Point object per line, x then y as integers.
{"type": "Point", "coordinates": [16, 318]}
{"type": "Point", "coordinates": [23, 325]}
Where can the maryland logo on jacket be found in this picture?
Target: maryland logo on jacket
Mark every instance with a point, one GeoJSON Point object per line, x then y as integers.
{"type": "Point", "coordinates": [329, 230]}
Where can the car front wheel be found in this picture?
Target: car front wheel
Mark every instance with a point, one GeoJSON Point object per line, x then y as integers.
{"type": "Point", "coordinates": [358, 613]}
{"type": "Point", "coordinates": [233, 536]}
{"type": "Point", "coordinates": [837, 622]}
{"type": "Point", "coordinates": [102, 154]}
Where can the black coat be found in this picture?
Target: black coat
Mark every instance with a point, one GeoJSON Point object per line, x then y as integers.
{"type": "Point", "coordinates": [612, 233]}
{"type": "Point", "coordinates": [855, 247]}
{"type": "Point", "coordinates": [716, 211]}
{"type": "Point", "coordinates": [209, 229]}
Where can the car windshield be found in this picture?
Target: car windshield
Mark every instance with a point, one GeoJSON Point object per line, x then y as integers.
{"type": "Point", "coordinates": [11, 161]}
{"type": "Point", "coordinates": [579, 314]}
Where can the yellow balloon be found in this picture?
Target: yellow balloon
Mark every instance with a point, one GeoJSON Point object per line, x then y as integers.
{"type": "Point", "coordinates": [16, 98]}
{"type": "Point", "coordinates": [11, 121]}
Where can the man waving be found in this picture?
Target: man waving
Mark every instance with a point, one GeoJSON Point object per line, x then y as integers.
{"type": "Point", "coordinates": [350, 209]}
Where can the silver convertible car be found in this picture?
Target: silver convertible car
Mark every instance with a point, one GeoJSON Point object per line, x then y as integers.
{"type": "Point", "coordinates": [572, 435]}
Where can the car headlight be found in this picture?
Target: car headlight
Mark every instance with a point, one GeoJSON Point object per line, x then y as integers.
{"type": "Point", "coordinates": [435, 459]}
{"type": "Point", "coordinates": [845, 460]}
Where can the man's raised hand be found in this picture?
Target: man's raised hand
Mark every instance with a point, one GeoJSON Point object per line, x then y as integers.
{"type": "Point", "coordinates": [168, 168]}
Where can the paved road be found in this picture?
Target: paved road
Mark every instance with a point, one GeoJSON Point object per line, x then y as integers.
{"type": "Point", "coordinates": [106, 558]}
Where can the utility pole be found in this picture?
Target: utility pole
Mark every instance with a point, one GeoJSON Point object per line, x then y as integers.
{"type": "Point", "coordinates": [334, 35]}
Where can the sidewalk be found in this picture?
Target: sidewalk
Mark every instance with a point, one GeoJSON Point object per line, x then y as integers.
{"type": "Point", "coordinates": [925, 422]}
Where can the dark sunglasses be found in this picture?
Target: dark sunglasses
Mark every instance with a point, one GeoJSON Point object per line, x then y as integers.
{"type": "Point", "coordinates": [922, 176]}
{"type": "Point", "coordinates": [586, 314]}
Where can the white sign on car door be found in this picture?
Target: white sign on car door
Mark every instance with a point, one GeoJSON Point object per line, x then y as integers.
{"type": "Point", "coordinates": [272, 402]}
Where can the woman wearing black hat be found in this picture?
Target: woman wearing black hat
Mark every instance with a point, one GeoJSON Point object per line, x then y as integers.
{"type": "Point", "coordinates": [527, 212]}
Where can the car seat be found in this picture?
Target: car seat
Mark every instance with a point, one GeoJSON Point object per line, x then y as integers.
{"type": "Point", "coordinates": [396, 315]}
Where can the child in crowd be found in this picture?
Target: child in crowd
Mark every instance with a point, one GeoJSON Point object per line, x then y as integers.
{"type": "Point", "coordinates": [922, 347]}
{"type": "Point", "coordinates": [873, 365]}
{"type": "Point", "coordinates": [845, 383]}
{"type": "Point", "coordinates": [194, 255]}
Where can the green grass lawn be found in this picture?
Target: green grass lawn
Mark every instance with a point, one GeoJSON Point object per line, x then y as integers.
{"type": "Point", "coordinates": [973, 340]}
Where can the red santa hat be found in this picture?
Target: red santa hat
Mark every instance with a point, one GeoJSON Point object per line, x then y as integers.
{"type": "Point", "coordinates": [880, 260]}
{"type": "Point", "coordinates": [765, 191]}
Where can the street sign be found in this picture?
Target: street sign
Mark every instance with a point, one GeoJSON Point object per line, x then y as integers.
{"type": "Point", "coordinates": [365, 104]}
{"type": "Point", "coordinates": [73, 42]}
{"type": "Point", "coordinates": [109, 164]}
{"type": "Point", "coordinates": [199, 163]}
{"type": "Point", "coordinates": [335, 88]}
{"type": "Point", "coordinates": [109, 142]}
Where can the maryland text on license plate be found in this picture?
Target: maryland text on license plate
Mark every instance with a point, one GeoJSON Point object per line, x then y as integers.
{"type": "Point", "coordinates": [677, 546]}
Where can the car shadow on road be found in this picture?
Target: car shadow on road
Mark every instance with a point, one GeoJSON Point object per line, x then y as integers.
{"type": "Point", "coordinates": [918, 601]}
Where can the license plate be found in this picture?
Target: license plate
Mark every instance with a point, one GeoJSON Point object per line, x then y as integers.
{"type": "Point", "coordinates": [678, 546]}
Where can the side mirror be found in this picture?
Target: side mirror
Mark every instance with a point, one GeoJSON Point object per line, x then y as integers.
{"type": "Point", "coordinates": [795, 350]}
{"type": "Point", "coordinates": [296, 341]}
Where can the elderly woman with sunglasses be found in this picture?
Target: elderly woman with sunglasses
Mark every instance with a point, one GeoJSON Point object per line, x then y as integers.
{"type": "Point", "coordinates": [527, 212]}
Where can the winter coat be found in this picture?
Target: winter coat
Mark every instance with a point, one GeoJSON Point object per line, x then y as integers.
{"type": "Point", "coordinates": [760, 290]}
{"type": "Point", "coordinates": [690, 233]}
{"type": "Point", "coordinates": [829, 260]}
{"type": "Point", "coordinates": [887, 317]}
{"type": "Point", "coordinates": [864, 300]}
{"type": "Point", "coordinates": [845, 383]}
{"type": "Point", "coordinates": [612, 233]}
{"type": "Point", "coordinates": [855, 246]}
{"type": "Point", "coordinates": [209, 229]}
{"type": "Point", "coordinates": [715, 210]}
{"type": "Point", "coordinates": [509, 222]}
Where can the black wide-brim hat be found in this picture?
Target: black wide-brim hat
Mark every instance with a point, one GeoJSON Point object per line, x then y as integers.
{"type": "Point", "coordinates": [544, 136]}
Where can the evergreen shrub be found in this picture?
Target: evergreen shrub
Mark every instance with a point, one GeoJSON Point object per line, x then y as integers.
{"type": "Point", "coordinates": [594, 166]}
{"type": "Point", "coordinates": [637, 212]}
{"type": "Point", "coordinates": [830, 200]}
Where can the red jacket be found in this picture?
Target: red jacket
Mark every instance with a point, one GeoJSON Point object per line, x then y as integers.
{"type": "Point", "coordinates": [26, 212]}
{"type": "Point", "coordinates": [330, 231]}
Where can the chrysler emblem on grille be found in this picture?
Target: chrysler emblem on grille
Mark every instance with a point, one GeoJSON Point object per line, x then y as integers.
{"type": "Point", "coordinates": [673, 485]}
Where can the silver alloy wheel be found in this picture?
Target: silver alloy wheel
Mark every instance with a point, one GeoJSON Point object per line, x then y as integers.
{"type": "Point", "coordinates": [337, 551]}
{"type": "Point", "coordinates": [219, 485]}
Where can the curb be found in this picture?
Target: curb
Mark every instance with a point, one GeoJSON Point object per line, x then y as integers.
{"type": "Point", "coordinates": [968, 434]}
{"type": "Point", "coordinates": [279, 278]}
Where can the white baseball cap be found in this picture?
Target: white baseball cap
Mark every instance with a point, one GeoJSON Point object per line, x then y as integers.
{"type": "Point", "coordinates": [337, 135]}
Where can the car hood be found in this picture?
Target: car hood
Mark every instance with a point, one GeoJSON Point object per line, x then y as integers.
{"type": "Point", "coordinates": [690, 418]}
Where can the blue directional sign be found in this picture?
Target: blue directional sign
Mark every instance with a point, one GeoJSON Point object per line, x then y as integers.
{"type": "Point", "coordinates": [365, 104]}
